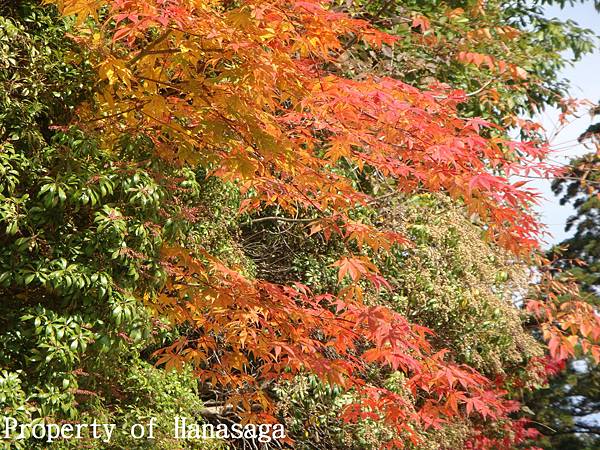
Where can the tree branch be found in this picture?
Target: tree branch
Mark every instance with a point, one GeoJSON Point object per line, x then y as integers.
{"type": "Point", "coordinates": [148, 49]}
{"type": "Point", "coordinates": [282, 219]}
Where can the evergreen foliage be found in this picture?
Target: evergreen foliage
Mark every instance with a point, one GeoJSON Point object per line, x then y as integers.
{"type": "Point", "coordinates": [126, 252]}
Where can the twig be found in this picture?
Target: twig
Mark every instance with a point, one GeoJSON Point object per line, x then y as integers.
{"type": "Point", "coordinates": [470, 94]}
{"type": "Point", "coordinates": [282, 219]}
{"type": "Point", "coordinates": [150, 47]}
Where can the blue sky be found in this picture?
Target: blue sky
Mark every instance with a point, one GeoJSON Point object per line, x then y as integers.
{"type": "Point", "coordinates": [585, 80]}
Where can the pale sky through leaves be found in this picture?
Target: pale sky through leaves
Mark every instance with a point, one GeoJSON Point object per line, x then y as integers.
{"type": "Point", "coordinates": [585, 80]}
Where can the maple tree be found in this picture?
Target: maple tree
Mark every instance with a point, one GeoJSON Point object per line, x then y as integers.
{"type": "Point", "coordinates": [244, 91]}
{"type": "Point", "coordinates": [251, 93]}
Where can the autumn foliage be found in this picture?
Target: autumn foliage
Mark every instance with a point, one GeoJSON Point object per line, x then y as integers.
{"type": "Point", "coordinates": [252, 92]}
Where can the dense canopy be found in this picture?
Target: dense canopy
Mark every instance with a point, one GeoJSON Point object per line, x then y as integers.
{"type": "Point", "coordinates": [298, 212]}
